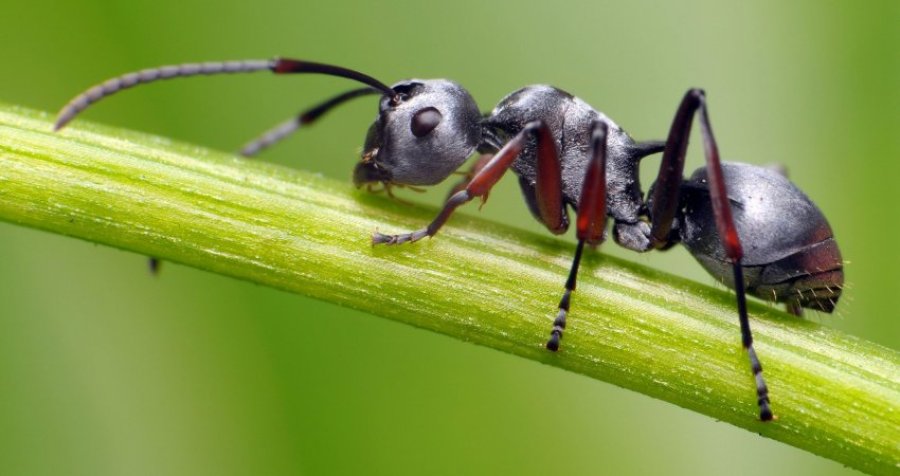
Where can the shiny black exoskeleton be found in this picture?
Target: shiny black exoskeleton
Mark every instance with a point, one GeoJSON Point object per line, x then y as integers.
{"type": "Point", "coordinates": [749, 226]}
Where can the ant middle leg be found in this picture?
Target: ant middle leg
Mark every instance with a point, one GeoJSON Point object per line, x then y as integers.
{"type": "Point", "coordinates": [590, 222]}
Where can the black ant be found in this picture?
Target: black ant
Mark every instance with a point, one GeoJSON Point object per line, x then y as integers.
{"type": "Point", "coordinates": [748, 226]}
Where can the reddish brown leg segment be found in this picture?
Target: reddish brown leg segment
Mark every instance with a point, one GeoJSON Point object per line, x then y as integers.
{"type": "Point", "coordinates": [666, 201]}
{"type": "Point", "coordinates": [479, 186]}
{"type": "Point", "coordinates": [548, 189]}
{"type": "Point", "coordinates": [479, 164]}
{"type": "Point", "coordinates": [590, 223]}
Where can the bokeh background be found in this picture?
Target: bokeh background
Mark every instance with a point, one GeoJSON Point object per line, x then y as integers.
{"type": "Point", "coordinates": [106, 370]}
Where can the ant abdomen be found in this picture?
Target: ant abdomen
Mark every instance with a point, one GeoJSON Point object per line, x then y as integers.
{"type": "Point", "coordinates": [790, 254]}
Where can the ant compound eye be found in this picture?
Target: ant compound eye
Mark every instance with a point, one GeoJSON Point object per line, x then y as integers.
{"type": "Point", "coordinates": [424, 121]}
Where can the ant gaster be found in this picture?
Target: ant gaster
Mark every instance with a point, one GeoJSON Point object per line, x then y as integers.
{"type": "Point", "coordinates": [750, 227]}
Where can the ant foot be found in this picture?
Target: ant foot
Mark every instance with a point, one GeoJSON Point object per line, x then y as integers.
{"type": "Point", "coordinates": [382, 239]}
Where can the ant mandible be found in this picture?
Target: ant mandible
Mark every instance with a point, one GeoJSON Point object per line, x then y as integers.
{"type": "Point", "coordinates": [749, 226]}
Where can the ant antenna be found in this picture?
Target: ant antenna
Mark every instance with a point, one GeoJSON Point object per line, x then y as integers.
{"type": "Point", "coordinates": [305, 118]}
{"type": "Point", "coordinates": [277, 66]}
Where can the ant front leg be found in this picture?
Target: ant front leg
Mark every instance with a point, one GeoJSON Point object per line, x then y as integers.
{"type": "Point", "coordinates": [479, 186]}
{"type": "Point", "coordinates": [479, 164]}
{"type": "Point", "coordinates": [665, 203]}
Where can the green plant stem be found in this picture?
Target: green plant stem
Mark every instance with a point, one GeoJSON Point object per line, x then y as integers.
{"type": "Point", "coordinates": [835, 395]}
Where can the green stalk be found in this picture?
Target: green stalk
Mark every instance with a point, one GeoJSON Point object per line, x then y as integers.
{"type": "Point", "coordinates": [835, 395]}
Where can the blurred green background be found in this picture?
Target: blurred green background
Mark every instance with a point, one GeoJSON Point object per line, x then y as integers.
{"type": "Point", "coordinates": [106, 370]}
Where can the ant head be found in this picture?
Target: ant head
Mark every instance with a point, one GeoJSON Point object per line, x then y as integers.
{"type": "Point", "coordinates": [422, 134]}
{"type": "Point", "coordinates": [424, 131]}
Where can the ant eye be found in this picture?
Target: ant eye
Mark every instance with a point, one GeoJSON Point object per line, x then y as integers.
{"type": "Point", "coordinates": [424, 121]}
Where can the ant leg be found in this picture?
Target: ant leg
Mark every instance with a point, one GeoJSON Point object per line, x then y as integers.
{"type": "Point", "coordinates": [590, 222]}
{"type": "Point", "coordinates": [665, 204]}
{"type": "Point", "coordinates": [548, 194]}
{"type": "Point", "coordinates": [305, 118]}
{"type": "Point", "coordinates": [481, 183]}
{"type": "Point", "coordinates": [153, 265]}
{"type": "Point", "coordinates": [479, 164]}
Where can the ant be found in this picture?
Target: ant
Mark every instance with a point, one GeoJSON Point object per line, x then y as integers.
{"type": "Point", "coordinates": [748, 226]}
